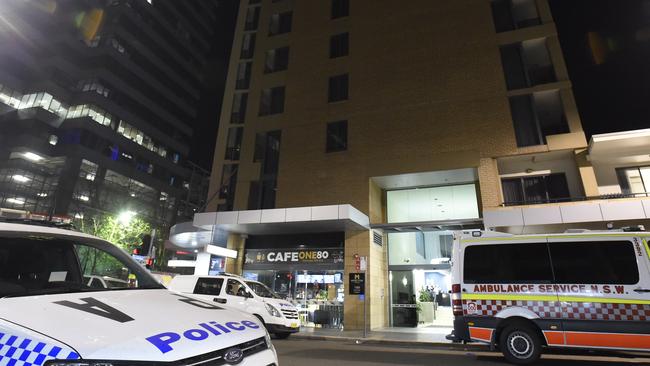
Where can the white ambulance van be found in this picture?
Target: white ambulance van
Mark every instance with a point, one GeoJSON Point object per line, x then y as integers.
{"type": "Point", "coordinates": [279, 316]}
{"type": "Point", "coordinates": [50, 315]}
{"type": "Point", "coordinates": [521, 293]}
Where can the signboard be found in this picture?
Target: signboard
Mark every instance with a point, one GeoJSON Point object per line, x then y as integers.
{"type": "Point", "coordinates": [357, 283]}
{"type": "Point", "coordinates": [294, 256]}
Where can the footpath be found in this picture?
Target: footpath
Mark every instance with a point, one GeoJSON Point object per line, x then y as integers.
{"type": "Point", "coordinates": [432, 336]}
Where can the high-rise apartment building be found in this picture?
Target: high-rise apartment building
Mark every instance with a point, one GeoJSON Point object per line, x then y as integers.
{"type": "Point", "coordinates": [356, 135]}
{"type": "Point", "coordinates": [96, 103]}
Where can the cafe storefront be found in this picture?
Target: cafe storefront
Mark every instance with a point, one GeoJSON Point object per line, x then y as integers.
{"type": "Point", "coordinates": [305, 269]}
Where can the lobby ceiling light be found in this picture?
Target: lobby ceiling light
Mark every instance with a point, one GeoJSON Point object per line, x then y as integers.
{"type": "Point", "coordinates": [20, 178]}
{"type": "Point", "coordinates": [33, 157]}
{"type": "Point", "coordinates": [18, 201]}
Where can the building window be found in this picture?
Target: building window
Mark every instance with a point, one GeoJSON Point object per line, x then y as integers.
{"type": "Point", "coordinates": [248, 46]}
{"type": "Point", "coordinates": [339, 45]}
{"type": "Point", "coordinates": [536, 189]}
{"type": "Point", "coordinates": [536, 116]}
{"type": "Point", "coordinates": [527, 64]}
{"type": "Point", "coordinates": [244, 75]}
{"type": "Point", "coordinates": [514, 14]}
{"type": "Point", "coordinates": [252, 18]}
{"type": "Point", "coordinates": [267, 150]}
{"type": "Point", "coordinates": [340, 8]}
{"type": "Point", "coordinates": [233, 144]}
{"type": "Point", "coordinates": [280, 23]}
{"type": "Point", "coordinates": [337, 136]}
{"type": "Point", "coordinates": [338, 88]}
{"type": "Point", "coordinates": [238, 114]}
{"type": "Point", "coordinates": [228, 185]}
{"type": "Point", "coordinates": [452, 202]}
{"type": "Point", "coordinates": [634, 180]}
{"type": "Point", "coordinates": [276, 60]}
{"type": "Point", "coordinates": [272, 101]}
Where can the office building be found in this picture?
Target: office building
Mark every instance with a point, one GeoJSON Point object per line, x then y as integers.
{"type": "Point", "coordinates": [97, 100]}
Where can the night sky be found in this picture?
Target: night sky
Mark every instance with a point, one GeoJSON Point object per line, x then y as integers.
{"type": "Point", "coordinates": [611, 89]}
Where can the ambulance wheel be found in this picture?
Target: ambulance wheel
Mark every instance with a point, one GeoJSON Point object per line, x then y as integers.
{"type": "Point", "coordinates": [283, 335]}
{"type": "Point", "coordinates": [520, 344]}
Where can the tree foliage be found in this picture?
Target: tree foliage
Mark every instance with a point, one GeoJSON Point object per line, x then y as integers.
{"type": "Point", "coordinates": [125, 235]}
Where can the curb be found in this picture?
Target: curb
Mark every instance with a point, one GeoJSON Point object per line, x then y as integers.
{"type": "Point", "coordinates": [394, 342]}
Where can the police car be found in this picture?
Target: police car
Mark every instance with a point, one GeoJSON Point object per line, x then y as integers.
{"type": "Point", "coordinates": [49, 315]}
{"type": "Point", "coordinates": [586, 289]}
{"type": "Point", "coordinates": [279, 316]}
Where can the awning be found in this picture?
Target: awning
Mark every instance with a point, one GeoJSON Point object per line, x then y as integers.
{"type": "Point", "coordinates": [296, 220]}
{"type": "Point", "coordinates": [620, 147]}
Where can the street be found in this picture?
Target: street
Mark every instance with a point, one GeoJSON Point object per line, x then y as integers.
{"type": "Point", "coordinates": [331, 353]}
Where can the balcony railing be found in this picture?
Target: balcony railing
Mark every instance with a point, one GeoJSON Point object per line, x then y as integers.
{"type": "Point", "coordinates": [576, 199]}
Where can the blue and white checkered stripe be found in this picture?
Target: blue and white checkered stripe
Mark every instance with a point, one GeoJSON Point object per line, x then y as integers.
{"type": "Point", "coordinates": [19, 351]}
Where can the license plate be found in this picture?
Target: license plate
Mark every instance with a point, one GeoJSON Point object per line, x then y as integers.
{"type": "Point", "coordinates": [294, 325]}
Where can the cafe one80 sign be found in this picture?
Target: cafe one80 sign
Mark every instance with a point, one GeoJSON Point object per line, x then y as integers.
{"type": "Point", "coordinates": [263, 256]}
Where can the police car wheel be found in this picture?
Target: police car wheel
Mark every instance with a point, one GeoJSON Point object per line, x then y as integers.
{"type": "Point", "coordinates": [520, 344]}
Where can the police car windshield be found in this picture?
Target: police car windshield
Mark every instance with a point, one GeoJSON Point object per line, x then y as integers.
{"type": "Point", "coordinates": [40, 265]}
{"type": "Point", "coordinates": [261, 290]}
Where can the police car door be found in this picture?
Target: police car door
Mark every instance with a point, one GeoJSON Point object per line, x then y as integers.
{"type": "Point", "coordinates": [236, 294]}
{"type": "Point", "coordinates": [600, 280]}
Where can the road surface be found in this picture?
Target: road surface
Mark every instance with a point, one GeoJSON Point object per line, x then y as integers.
{"type": "Point", "coordinates": [337, 353]}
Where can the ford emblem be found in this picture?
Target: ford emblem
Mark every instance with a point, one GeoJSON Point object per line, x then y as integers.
{"type": "Point", "coordinates": [233, 356]}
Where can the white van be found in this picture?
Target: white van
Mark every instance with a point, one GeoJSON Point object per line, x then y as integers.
{"type": "Point", "coordinates": [524, 292]}
{"type": "Point", "coordinates": [50, 313]}
{"type": "Point", "coordinates": [279, 316]}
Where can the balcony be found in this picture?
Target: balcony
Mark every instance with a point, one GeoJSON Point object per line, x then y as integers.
{"type": "Point", "coordinates": [607, 208]}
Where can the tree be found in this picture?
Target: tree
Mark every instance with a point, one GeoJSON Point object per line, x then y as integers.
{"type": "Point", "coordinates": [125, 234]}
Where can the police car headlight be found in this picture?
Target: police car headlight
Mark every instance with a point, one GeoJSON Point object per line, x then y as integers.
{"type": "Point", "coordinates": [273, 311]}
{"type": "Point", "coordinates": [267, 338]}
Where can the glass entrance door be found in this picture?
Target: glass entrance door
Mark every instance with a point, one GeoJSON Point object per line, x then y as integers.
{"type": "Point", "coordinates": [403, 302]}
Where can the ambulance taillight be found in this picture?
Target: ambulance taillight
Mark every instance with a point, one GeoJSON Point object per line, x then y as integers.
{"type": "Point", "coordinates": [456, 301]}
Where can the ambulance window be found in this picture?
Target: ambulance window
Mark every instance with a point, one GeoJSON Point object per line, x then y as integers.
{"type": "Point", "coordinates": [507, 263]}
{"type": "Point", "coordinates": [596, 262]}
{"type": "Point", "coordinates": [208, 286]}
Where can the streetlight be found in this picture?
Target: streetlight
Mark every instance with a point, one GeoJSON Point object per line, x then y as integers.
{"type": "Point", "coordinates": [125, 218]}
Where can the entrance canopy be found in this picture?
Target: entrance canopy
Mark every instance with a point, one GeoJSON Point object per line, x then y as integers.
{"type": "Point", "coordinates": [294, 220]}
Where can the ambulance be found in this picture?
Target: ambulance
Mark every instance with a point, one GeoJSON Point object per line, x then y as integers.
{"type": "Point", "coordinates": [279, 316]}
{"type": "Point", "coordinates": [525, 293]}
{"type": "Point", "coordinates": [50, 314]}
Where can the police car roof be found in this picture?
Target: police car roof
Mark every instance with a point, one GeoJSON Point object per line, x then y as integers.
{"type": "Point", "coordinates": [37, 229]}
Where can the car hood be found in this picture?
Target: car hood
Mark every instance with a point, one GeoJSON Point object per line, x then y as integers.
{"type": "Point", "coordinates": [280, 304]}
{"type": "Point", "coordinates": [151, 325]}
